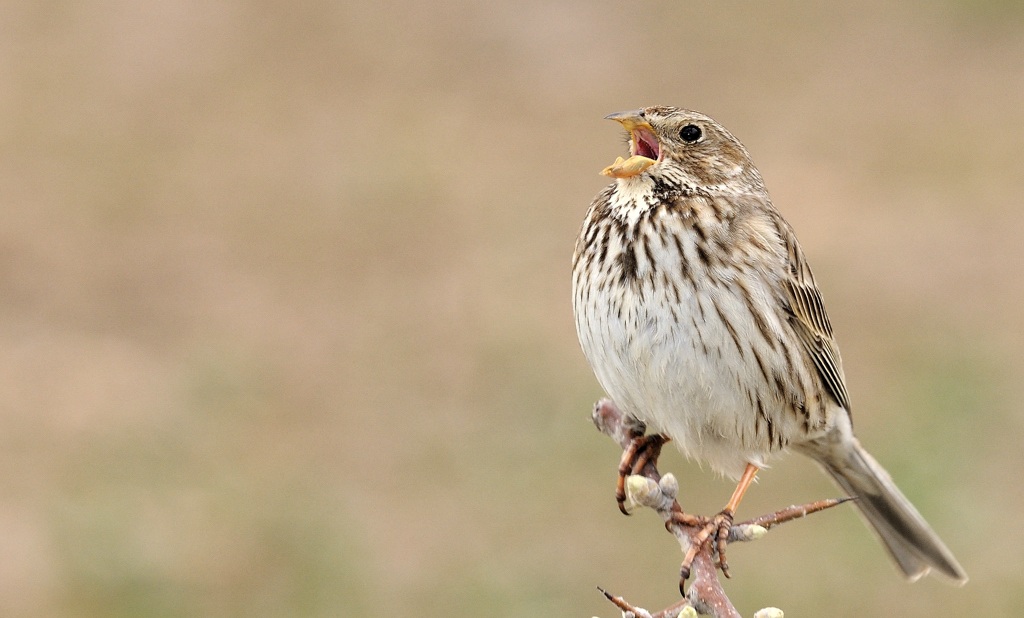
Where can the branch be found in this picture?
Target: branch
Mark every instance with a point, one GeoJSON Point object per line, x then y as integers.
{"type": "Point", "coordinates": [650, 489]}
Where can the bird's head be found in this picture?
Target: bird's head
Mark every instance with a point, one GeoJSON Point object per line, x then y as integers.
{"type": "Point", "coordinates": [680, 148]}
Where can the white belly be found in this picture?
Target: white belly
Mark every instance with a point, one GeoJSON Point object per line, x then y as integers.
{"type": "Point", "coordinates": [694, 387]}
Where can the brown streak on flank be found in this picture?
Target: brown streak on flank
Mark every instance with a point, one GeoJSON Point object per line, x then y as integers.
{"type": "Point", "coordinates": [759, 321]}
{"type": "Point", "coordinates": [701, 232]}
{"type": "Point", "coordinates": [758, 419]}
{"type": "Point", "coordinates": [592, 228]}
{"type": "Point", "coordinates": [700, 309]}
{"type": "Point", "coordinates": [714, 204]}
{"type": "Point", "coordinates": [627, 264]}
{"type": "Point", "coordinates": [603, 243]}
{"type": "Point", "coordinates": [679, 246]}
{"type": "Point", "coordinates": [780, 385]}
{"type": "Point", "coordinates": [800, 407]}
{"type": "Point", "coordinates": [674, 287]}
{"type": "Point", "coordinates": [768, 421]}
{"type": "Point", "coordinates": [761, 366]}
{"type": "Point", "coordinates": [702, 254]}
{"type": "Point", "coordinates": [648, 253]}
{"type": "Point", "coordinates": [683, 266]}
{"type": "Point", "coordinates": [729, 327]}
{"type": "Point", "coordinates": [700, 335]}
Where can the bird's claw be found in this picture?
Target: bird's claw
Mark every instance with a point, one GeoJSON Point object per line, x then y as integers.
{"type": "Point", "coordinates": [643, 450]}
{"type": "Point", "coordinates": [716, 532]}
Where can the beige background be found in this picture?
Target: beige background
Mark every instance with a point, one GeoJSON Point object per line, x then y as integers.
{"type": "Point", "coordinates": [285, 325]}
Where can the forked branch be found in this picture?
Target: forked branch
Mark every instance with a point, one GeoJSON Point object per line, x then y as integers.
{"type": "Point", "coordinates": [650, 489]}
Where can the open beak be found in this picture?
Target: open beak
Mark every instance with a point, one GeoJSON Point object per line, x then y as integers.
{"type": "Point", "coordinates": [644, 148]}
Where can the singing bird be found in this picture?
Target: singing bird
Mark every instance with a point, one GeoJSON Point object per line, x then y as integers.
{"type": "Point", "coordinates": [698, 311]}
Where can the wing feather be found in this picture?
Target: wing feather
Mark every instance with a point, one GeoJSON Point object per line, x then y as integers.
{"type": "Point", "coordinates": [810, 321]}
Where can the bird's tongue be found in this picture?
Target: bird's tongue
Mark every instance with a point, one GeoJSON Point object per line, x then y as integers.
{"type": "Point", "coordinates": [645, 144]}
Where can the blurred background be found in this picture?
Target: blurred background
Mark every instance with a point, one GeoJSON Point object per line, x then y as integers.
{"type": "Point", "coordinates": [285, 320]}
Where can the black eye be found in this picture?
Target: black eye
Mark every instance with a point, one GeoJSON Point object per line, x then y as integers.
{"type": "Point", "coordinates": [690, 133]}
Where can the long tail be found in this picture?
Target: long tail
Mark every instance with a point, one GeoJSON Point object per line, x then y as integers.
{"type": "Point", "coordinates": [908, 537]}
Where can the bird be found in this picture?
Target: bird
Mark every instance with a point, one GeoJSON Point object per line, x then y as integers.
{"type": "Point", "coordinates": [700, 316]}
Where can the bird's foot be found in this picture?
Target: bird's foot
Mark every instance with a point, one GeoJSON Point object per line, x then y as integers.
{"type": "Point", "coordinates": [715, 532]}
{"type": "Point", "coordinates": [643, 450]}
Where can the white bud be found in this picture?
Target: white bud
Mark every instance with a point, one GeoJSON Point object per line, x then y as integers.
{"type": "Point", "coordinates": [669, 486]}
{"type": "Point", "coordinates": [642, 491]}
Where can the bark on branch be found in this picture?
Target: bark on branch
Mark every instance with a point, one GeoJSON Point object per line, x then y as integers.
{"type": "Point", "coordinates": [652, 490]}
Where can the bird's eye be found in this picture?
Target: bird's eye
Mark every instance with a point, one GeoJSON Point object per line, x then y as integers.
{"type": "Point", "coordinates": [690, 133]}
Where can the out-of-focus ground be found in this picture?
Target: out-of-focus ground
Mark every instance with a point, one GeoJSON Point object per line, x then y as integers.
{"type": "Point", "coordinates": [285, 323]}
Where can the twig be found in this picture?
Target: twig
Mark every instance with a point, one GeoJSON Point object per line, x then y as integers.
{"type": "Point", "coordinates": [652, 490]}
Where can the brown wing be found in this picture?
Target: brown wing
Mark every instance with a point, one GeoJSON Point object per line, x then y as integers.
{"type": "Point", "coordinates": [810, 322]}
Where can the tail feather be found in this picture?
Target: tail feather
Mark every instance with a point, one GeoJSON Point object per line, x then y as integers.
{"type": "Point", "coordinates": [904, 532]}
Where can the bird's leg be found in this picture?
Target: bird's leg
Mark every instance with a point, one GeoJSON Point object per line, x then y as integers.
{"type": "Point", "coordinates": [718, 527]}
{"type": "Point", "coordinates": [643, 450]}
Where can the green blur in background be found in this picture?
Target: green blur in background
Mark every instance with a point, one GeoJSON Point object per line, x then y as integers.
{"type": "Point", "coordinates": [285, 321]}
